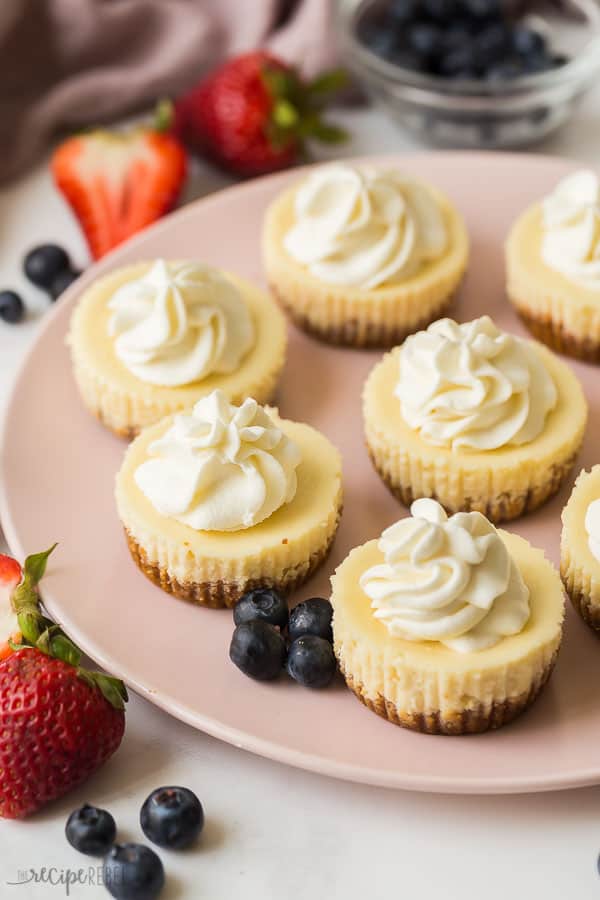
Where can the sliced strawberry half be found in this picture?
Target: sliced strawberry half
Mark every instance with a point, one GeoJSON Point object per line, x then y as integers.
{"type": "Point", "coordinates": [119, 182]}
{"type": "Point", "coordinates": [10, 576]}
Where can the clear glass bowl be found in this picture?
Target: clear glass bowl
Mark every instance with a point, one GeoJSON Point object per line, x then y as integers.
{"type": "Point", "coordinates": [468, 113]}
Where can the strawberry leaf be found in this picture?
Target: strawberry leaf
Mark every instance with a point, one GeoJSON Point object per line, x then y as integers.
{"type": "Point", "coordinates": [113, 690]}
{"type": "Point", "coordinates": [63, 648]}
{"type": "Point", "coordinates": [285, 115]}
{"type": "Point", "coordinates": [35, 566]}
{"type": "Point", "coordinates": [327, 83]}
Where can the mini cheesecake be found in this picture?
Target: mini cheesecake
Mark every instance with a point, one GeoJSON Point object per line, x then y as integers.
{"type": "Point", "coordinates": [426, 686]}
{"type": "Point", "coordinates": [123, 401]}
{"type": "Point", "coordinates": [579, 564]}
{"type": "Point", "coordinates": [354, 315]}
{"type": "Point", "coordinates": [214, 568]}
{"type": "Point", "coordinates": [501, 483]}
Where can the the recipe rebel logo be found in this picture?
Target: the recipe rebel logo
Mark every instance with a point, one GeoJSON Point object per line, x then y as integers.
{"type": "Point", "coordinates": [65, 878]}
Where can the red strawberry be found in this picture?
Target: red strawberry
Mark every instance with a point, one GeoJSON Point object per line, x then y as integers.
{"type": "Point", "coordinates": [58, 721]}
{"type": "Point", "coordinates": [118, 183]}
{"type": "Point", "coordinates": [10, 576]}
{"type": "Point", "coordinates": [55, 730]}
{"type": "Point", "coordinates": [253, 114]}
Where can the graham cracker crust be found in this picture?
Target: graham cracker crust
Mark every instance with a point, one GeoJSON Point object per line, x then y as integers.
{"type": "Point", "coordinates": [502, 508]}
{"type": "Point", "coordinates": [224, 594]}
{"type": "Point", "coordinates": [358, 334]}
{"type": "Point", "coordinates": [469, 721]}
{"type": "Point", "coordinates": [555, 336]}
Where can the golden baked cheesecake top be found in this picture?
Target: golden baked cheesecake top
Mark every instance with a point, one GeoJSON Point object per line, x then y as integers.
{"type": "Point", "coordinates": [449, 580]}
{"type": "Point", "coordinates": [473, 386]}
{"type": "Point", "coordinates": [176, 323]}
{"type": "Point", "coordinates": [364, 228]}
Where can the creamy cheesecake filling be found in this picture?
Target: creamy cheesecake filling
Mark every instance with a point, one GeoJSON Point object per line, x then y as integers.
{"type": "Point", "coordinates": [364, 228]}
{"type": "Point", "coordinates": [178, 323]}
{"type": "Point", "coordinates": [450, 580]}
{"type": "Point", "coordinates": [221, 468]}
{"type": "Point", "coordinates": [473, 385]}
{"type": "Point", "coordinates": [592, 527]}
{"type": "Point", "coordinates": [571, 229]}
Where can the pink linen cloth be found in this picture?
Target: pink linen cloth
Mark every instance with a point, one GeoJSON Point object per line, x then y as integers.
{"type": "Point", "coordinates": [65, 64]}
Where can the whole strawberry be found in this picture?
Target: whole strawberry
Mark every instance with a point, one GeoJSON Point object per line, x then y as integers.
{"type": "Point", "coordinates": [58, 721]}
{"type": "Point", "coordinates": [56, 729]}
{"type": "Point", "coordinates": [254, 114]}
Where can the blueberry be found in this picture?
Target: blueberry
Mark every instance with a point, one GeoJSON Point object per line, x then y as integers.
{"type": "Point", "coordinates": [172, 817]}
{"type": "Point", "coordinates": [457, 36]}
{"type": "Point", "coordinates": [12, 308]}
{"type": "Point", "coordinates": [458, 62]}
{"type": "Point", "coordinates": [527, 42]}
{"type": "Point", "coordinates": [133, 872]}
{"type": "Point", "coordinates": [401, 12]}
{"type": "Point", "coordinates": [311, 661]}
{"type": "Point", "coordinates": [493, 42]}
{"type": "Point", "coordinates": [311, 617]}
{"type": "Point", "coordinates": [424, 39]}
{"type": "Point", "coordinates": [536, 63]}
{"type": "Point", "coordinates": [262, 604]}
{"type": "Point", "coordinates": [62, 281]}
{"type": "Point", "coordinates": [91, 830]}
{"type": "Point", "coordinates": [481, 10]}
{"type": "Point", "coordinates": [258, 650]}
{"type": "Point", "coordinates": [441, 11]}
{"type": "Point", "coordinates": [44, 263]}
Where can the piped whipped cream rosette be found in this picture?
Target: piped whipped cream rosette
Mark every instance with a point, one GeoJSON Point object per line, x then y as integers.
{"type": "Point", "coordinates": [226, 497]}
{"type": "Point", "coordinates": [446, 624]}
{"type": "Point", "coordinates": [150, 339]}
{"type": "Point", "coordinates": [361, 255]}
{"type": "Point", "coordinates": [474, 417]}
{"type": "Point", "coordinates": [179, 323]}
{"type": "Point", "coordinates": [553, 266]}
{"type": "Point", "coordinates": [580, 547]}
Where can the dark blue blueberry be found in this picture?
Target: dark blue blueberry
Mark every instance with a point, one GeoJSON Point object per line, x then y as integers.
{"type": "Point", "coordinates": [527, 42]}
{"type": "Point", "coordinates": [311, 661]}
{"type": "Point", "coordinates": [536, 63]}
{"type": "Point", "coordinates": [482, 10]}
{"type": "Point", "coordinates": [62, 281]}
{"type": "Point", "coordinates": [172, 817]}
{"type": "Point", "coordinates": [441, 11]}
{"type": "Point", "coordinates": [262, 604]}
{"type": "Point", "coordinates": [457, 36]}
{"type": "Point", "coordinates": [424, 39]}
{"type": "Point", "coordinates": [258, 650]}
{"type": "Point", "coordinates": [401, 12]}
{"type": "Point", "coordinates": [457, 62]}
{"type": "Point", "coordinates": [311, 617]}
{"type": "Point", "coordinates": [493, 42]}
{"type": "Point", "coordinates": [12, 308]}
{"type": "Point", "coordinates": [44, 263]}
{"type": "Point", "coordinates": [133, 872]}
{"type": "Point", "coordinates": [91, 830]}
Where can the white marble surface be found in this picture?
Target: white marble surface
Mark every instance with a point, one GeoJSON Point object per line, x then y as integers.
{"type": "Point", "coordinates": [272, 831]}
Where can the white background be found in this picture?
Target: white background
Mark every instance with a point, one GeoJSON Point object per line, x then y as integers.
{"type": "Point", "coordinates": [272, 831]}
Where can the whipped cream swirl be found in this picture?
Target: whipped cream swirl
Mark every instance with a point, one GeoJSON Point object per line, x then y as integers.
{"type": "Point", "coordinates": [363, 228]}
{"type": "Point", "coordinates": [571, 222]}
{"type": "Point", "coordinates": [221, 467]}
{"type": "Point", "coordinates": [592, 527]}
{"type": "Point", "coordinates": [178, 323]}
{"type": "Point", "coordinates": [473, 385]}
{"type": "Point", "coordinates": [450, 580]}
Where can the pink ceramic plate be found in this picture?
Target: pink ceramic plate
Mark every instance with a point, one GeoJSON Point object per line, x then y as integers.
{"type": "Point", "coordinates": [58, 467]}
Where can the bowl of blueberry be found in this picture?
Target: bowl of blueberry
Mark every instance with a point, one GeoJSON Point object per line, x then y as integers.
{"type": "Point", "coordinates": [474, 73]}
